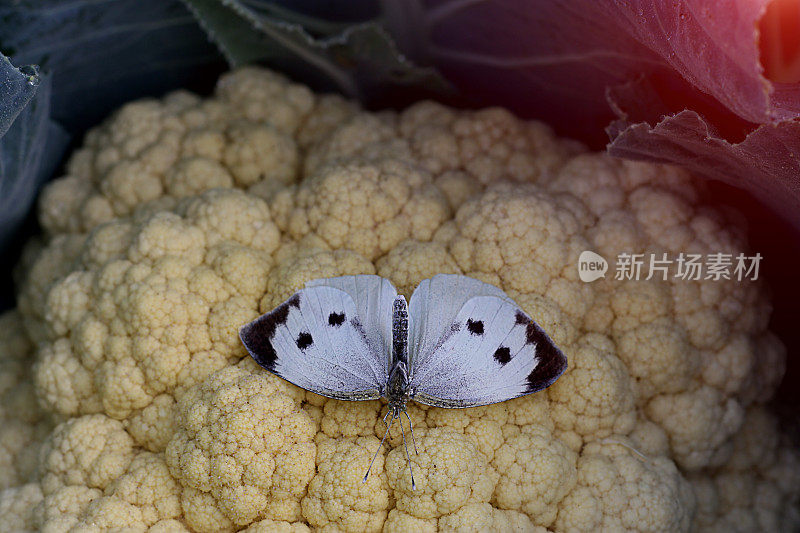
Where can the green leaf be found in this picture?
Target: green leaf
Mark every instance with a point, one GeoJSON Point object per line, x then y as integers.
{"type": "Point", "coordinates": [103, 53]}
{"type": "Point", "coordinates": [358, 60]}
{"type": "Point", "coordinates": [31, 145]}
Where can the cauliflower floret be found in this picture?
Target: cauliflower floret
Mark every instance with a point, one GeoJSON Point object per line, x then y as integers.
{"type": "Point", "coordinates": [483, 425]}
{"type": "Point", "coordinates": [152, 427]}
{"type": "Point", "coordinates": [261, 95]}
{"type": "Point", "coordinates": [658, 355]}
{"type": "Point", "coordinates": [411, 261]}
{"type": "Point", "coordinates": [489, 144]}
{"type": "Point", "coordinates": [618, 490]}
{"type": "Point", "coordinates": [345, 419]}
{"type": "Point", "coordinates": [146, 495]}
{"type": "Point", "coordinates": [147, 486]}
{"type": "Point", "coordinates": [699, 423]}
{"type": "Point", "coordinates": [594, 398]}
{"type": "Point", "coordinates": [399, 522]}
{"type": "Point", "coordinates": [337, 495]}
{"type": "Point", "coordinates": [368, 208]}
{"type": "Point", "coordinates": [63, 202]}
{"type": "Point", "coordinates": [309, 263]}
{"type": "Point", "coordinates": [484, 517]}
{"type": "Point", "coordinates": [243, 439]}
{"type": "Point", "coordinates": [196, 174]}
{"type": "Point", "coordinates": [23, 425]}
{"type": "Point", "coordinates": [449, 472]}
{"type": "Point", "coordinates": [749, 492]}
{"type": "Point", "coordinates": [17, 507]}
{"type": "Point", "coordinates": [179, 288]}
{"type": "Point", "coordinates": [20, 443]}
{"type": "Point", "coordinates": [41, 266]}
{"type": "Point", "coordinates": [60, 510]}
{"type": "Point", "coordinates": [259, 152]}
{"type": "Point", "coordinates": [151, 150]}
{"type": "Point", "coordinates": [536, 472]}
{"type": "Point", "coordinates": [330, 110]}
{"type": "Point", "coordinates": [90, 451]}
{"type": "Point", "coordinates": [362, 134]}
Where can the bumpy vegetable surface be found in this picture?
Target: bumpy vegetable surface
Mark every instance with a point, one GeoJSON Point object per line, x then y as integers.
{"type": "Point", "coordinates": [128, 402]}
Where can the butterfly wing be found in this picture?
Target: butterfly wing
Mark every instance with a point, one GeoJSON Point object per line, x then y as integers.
{"type": "Point", "coordinates": [318, 340]}
{"type": "Point", "coordinates": [476, 346]}
{"type": "Point", "coordinates": [373, 297]}
{"type": "Point", "coordinates": [434, 306]}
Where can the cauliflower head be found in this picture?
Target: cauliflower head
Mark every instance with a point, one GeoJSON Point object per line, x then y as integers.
{"type": "Point", "coordinates": [129, 404]}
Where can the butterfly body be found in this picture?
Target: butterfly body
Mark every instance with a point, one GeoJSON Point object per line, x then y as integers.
{"type": "Point", "coordinates": [397, 389]}
{"type": "Point", "coordinates": [458, 343]}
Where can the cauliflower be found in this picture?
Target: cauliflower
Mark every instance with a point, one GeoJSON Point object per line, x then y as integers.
{"type": "Point", "coordinates": [337, 496]}
{"type": "Point", "coordinates": [536, 472]}
{"type": "Point", "coordinates": [178, 285]}
{"type": "Point", "coordinates": [129, 404]}
{"type": "Point", "coordinates": [367, 207]}
{"type": "Point", "coordinates": [264, 465]}
{"type": "Point", "coordinates": [17, 507]}
{"type": "Point", "coordinates": [619, 490]}
{"type": "Point", "coordinates": [450, 472]}
{"type": "Point", "coordinates": [23, 425]}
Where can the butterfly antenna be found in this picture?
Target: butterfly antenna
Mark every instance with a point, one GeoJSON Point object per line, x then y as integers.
{"type": "Point", "coordinates": [388, 427]}
{"type": "Point", "coordinates": [411, 427]}
{"type": "Point", "coordinates": [408, 457]}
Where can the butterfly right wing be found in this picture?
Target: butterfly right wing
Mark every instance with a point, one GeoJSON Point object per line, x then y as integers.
{"type": "Point", "coordinates": [472, 345]}
{"type": "Point", "coordinates": [317, 340]}
{"type": "Point", "coordinates": [433, 308]}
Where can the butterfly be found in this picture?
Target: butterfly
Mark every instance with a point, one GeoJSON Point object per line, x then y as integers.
{"type": "Point", "coordinates": [458, 343]}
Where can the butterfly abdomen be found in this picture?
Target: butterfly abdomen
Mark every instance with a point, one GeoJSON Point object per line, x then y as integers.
{"type": "Point", "coordinates": [399, 330]}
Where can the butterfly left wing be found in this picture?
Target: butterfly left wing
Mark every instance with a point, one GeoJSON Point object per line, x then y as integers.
{"type": "Point", "coordinates": [373, 297]}
{"type": "Point", "coordinates": [317, 341]}
{"type": "Point", "coordinates": [491, 352]}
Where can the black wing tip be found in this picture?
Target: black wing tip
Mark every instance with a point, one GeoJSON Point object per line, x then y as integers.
{"type": "Point", "coordinates": [552, 365]}
{"type": "Point", "coordinates": [257, 335]}
{"type": "Point", "coordinates": [552, 361]}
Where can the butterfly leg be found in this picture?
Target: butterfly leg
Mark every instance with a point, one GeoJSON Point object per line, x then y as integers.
{"type": "Point", "coordinates": [388, 427]}
{"type": "Point", "coordinates": [411, 427]}
{"type": "Point", "coordinates": [389, 412]}
{"type": "Point", "coordinates": [408, 457]}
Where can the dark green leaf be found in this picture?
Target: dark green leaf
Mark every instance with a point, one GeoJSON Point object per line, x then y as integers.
{"type": "Point", "coordinates": [358, 59]}
{"type": "Point", "coordinates": [31, 145]}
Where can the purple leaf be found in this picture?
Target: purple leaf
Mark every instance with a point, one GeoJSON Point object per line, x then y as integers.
{"type": "Point", "coordinates": [766, 162]}
{"type": "Point", "coordinates": [684, 78]}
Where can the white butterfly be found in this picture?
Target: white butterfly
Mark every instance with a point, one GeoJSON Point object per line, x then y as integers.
{"type": "Point", "coordinates": [465, 343]}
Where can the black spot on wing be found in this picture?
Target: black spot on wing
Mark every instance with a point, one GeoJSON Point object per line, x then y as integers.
{"type": "Point", "coordinates": [475, 326]}
{"type": "Point", "coordinates": [257, 335]}
{"type": "Point", "coordinates": [502, 355]}
{"type": "Point", "coordinates": [304, 340]}
{"type": "Point", "coordinates": [336, 319]}
{"type": "Point", "coordinates": [551, 362]}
